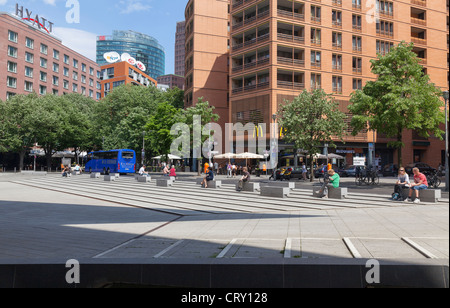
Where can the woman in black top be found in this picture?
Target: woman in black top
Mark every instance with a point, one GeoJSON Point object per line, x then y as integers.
{"type": "Point", "coordinates": [209, 177]}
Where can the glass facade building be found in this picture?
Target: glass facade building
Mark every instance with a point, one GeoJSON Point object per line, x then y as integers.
{"type": "Point", "coordinates": [140, 46]}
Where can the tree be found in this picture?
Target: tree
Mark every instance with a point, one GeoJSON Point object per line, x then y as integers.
{"type": "Point", "coordinates": [401, 98]}
{"type": "Point", "coordinates": [310, 120]}
{"type": "Point", "coordinates": [120, 118]}
{"type": "Point", "coordinates": [17, 125]}
{"type": "Point", "coordinates": [159, 126]}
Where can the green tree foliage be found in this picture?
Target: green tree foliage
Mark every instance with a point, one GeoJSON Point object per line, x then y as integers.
{"type": "Point", "coordinates": [401, 98]}
{"type": "Point", "coordinates": [311, 120]}
{"type": "Point", "coordinates": [159, 126]}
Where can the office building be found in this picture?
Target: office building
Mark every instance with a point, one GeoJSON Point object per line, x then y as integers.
{"type": "Point", "coordinates": [119, 73]}
{"type": "Point", "coordinates": [34, 60]}
{"type": "Point", "coordinates": [172, 81]}
{"type": "Point", "coordinates": [281, 47]}
{"type": "Point", "coordinates": [180, 40]}
{"type": "Point", "coordinates": [206, 59]}
{"type": "Point", "coordinates": [141, 47]}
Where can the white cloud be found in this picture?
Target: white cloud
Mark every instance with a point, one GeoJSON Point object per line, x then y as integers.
{"type": "Point", "coordinates": [81, 41]}
{"type": "Point", "coordinates": [51, 2]}
{"type": "Point", "coordinates": [3, 2]}
{"type": "Point", "coordinates": [131, 6]}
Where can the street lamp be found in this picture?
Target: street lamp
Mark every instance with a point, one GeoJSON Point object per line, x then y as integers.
{"type": "Point", "coordinates": [445, 95]}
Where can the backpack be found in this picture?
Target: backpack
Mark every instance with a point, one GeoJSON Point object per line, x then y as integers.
{"type": "Point", "coordinates": [396, 196]}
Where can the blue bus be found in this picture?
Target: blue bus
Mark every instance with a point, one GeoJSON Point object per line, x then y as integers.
{"type": "Point", "coordinates": [114, 161]}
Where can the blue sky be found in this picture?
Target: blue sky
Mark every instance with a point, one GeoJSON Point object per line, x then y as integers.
{"type": "Point", "coordinates": [156, 18]}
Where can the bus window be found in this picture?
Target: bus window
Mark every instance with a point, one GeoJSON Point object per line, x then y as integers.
{"type": "Point", "coordinates": [127, 155]}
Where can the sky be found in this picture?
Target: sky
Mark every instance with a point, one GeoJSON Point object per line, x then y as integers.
{"type": "Point", "coordinates": [78, 22]}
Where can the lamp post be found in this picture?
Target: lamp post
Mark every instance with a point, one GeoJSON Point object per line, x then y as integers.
{"type": "Point", "coordinates": [445, 95]}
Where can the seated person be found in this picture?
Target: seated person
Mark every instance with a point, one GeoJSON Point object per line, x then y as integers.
{"type": "Point", "coordinates": [66, 172]}
{"type": "Point", "coordinates": [420, 183]}
{"type": "Point", "coordinates": [209, 177]}
{"type": "Point", "coordinates": [333, 180]}
{"type": "Point", "coordinates": [244, 179]}
{"type": "Point", "coordinates": [77, 169]}
{"type": "Point", "coordinates": [142, 171]}
{"type": "Point", "coordinates": [173, 172]}
{"type": "Point", "coordinates": [402, 183]}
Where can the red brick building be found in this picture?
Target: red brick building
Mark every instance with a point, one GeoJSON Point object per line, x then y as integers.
{"type": "Point", "coordinates": [33, 60]}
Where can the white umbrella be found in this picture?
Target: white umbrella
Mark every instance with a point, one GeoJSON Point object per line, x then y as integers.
{"type": "Point", "coordinates": [248, 156]}
{"type": "Point", "coordinates": [332, 155]}
{"type": "Point", "coordinates": [170, 156]}
{"type": "Point", "coordinates": [225, 156]}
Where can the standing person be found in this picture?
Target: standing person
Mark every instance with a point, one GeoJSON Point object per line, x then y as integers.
{"type": "Point", "coordinates": [173, 172]}
{"type": "Point", "coordinates": [244, 179]}
{"type": "Point", "coordinates": [234, 170]}
{"type": "Point", "coordinates": [420, 183]}
{"type": "Point", "coordinates": [229, 170]}
{"type": "Point", "coordinates": [304, 172]}
{"type": "Point", "coordinates": [402, 182]}
{"type": "Point", "coordinates": [209, 177]}
{"type": "Point", "coordinates": [216, 168]}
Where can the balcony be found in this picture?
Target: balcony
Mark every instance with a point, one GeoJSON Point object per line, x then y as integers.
{"type": "Point", "coordinates": [291, 62]}
{"type": "Point", "coordinates": [290, 85]}
{"type": "Point", "coordinates": [250, 88]}
{"type": "Point", "coordinates": [241, 20]}
{"type": "Point", "coordinates": [250, 42]}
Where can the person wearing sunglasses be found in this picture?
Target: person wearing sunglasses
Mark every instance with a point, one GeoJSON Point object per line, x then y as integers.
{"type": "Point", "coordinates": [402, 183]}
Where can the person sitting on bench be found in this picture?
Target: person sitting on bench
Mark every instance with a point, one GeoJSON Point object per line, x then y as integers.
{"type": "Point", "coordinates": [209, 177]}
{"type": "Point", "coordinates": [420, 183]}
{"type": "Point", "coordinates": [142, 171]}
{"type": "Point", "coordinates": [244, 179]}
{"type": "Point", "coordinates": [402, 183]}
{"type": "Point", "coordinates": [333, 181]}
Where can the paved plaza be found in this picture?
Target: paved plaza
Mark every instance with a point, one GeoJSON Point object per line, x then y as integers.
{"type": "Point", "coordinates": [54, 218]}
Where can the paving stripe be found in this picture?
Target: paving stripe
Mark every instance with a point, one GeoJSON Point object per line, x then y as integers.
{"type": "Point", "coordinates": [355, 253]}
{"type": "Point", "coordinates": [288, 248]}
{"type": "Point", "coordinates": [226, 249]}
{"type": "Point", "coordinates": [167, 249]}
{"type": "Point", "coordinates": [419, 248]}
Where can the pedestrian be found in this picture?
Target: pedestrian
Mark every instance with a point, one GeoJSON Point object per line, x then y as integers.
{"type": "Point", "coordinates": [142, 171]}
{"type": "Point", "coordinates": [229, 170]}
{"type": "Point", "coordinates": [209, 177]}
{"type": "Point", "coordinates": [333, 180]}
{"type": "Point", "coordinates": [172, 172]}
{"type": "Point", "coordinates": [402, 183]}
{"type": "Point", "coordinates": [304, 172]}
{"type": "Point", "coordinates": [244, 179]}
{"type": "Point", "coordinates": [165, 170]}
{"type": "Point", "coordinates": [420, 183]}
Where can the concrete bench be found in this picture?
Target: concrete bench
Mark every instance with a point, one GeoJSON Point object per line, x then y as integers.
{"type": "Point", "coordinates": [117, 175]}
{"type": "Point", "coordinates": [214, 184]}
{"type": "Point", "coordinates": [173, 178]}
{"type": "Point", "coordinates": [95, 175]}
{"type": "Point", "coordinates": [290, 185]}
{"type": "Point", "coordinates": [428, 195]}
{"type": "Point", "coordinates": [252, 187]}
{"type": "Point", "coordinates": [274, 191]}
{"type": "Point", "coordinates": [337, 193]}
{"type": "Point", "coordinates": [164, 183]}
{"type": "Point", "coordinates": [109, 178]}
{"type": "Point", "coordinates": [143, 179]}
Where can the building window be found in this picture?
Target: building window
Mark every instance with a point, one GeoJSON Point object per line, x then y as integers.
{"type": "Point", "coordinates": [75, 63]}
{"type": "Point", "coordinates": [56, 67]}
{"type": "Point", "coordinates": [42, 90]}
{"type": "Point", "coordinates": [357, 84]}
{"type": "Point", "coordinates": [91, 71]}
{"type": "Point", "coordinates": [357, 65]}
{"type": "Point", "coordinates": [44, 49]}
{"type": "Point", "coordinates": [337, 40]}
{"type": "Point", "coordinates": [12, 36]}
{"type": "Point", "coordinates": [356, 22]}
{"type": "Point", "coordinates": [56, 80]}
{"type": "Point", "coordinates": [55, 54]}
{"type": "Point", "coordinates": [28, 72]}
{"type": "Point", "coordinates": [357, 43]}
{"type": "Point", "coordinates": [29, 43]}
{"type": "Point", "coordinates": [336, 61]}
{"type": "Point", "coordinates": [28, 86]}
{"type": "Point", "coordinates": [337, 84]}
{"type": "Point", "coordinates": [29, 57]}
{"type": "Point", "coordinates": [315, 59]}
{"type": "Point", "coordinates": [316, 81]}
{"type": "Point", "coordinates": [75, 88]}
{"type": "Point", "coordinates": [315, 36]}
{"type": "Point", "coordinates": [11, 82]}
{"type": "Point", "coordinates": [83, 67]}
{"type": "Point", "coordinates": [43, 76]}
{"type": "Point", "coordinates": [66, 59]}
{"type": "Point", "coordinates": [66, 72]}
{"type": "Point", "coordinates": [12, 51]}
{"type": "Point", "coordinates": [43, 63]}
{"type": "Point", "coordinates": [66, 84]}
{"type": "Point", "coordinates": [12, 67]}
{"type": "Point", "coordinates": [74, 75]}
{"type": "Point", "coordinates": [336, 18]}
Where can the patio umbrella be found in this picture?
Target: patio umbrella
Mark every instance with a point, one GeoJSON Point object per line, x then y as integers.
{"type": "Point", "coordinates": [332, 155]}
{"type": "Point", "coordinates": [248, 156]}
{"type": "Point", "coordinates": [170, 157]}
{"type": "Point", "coordinates": [228, 156]}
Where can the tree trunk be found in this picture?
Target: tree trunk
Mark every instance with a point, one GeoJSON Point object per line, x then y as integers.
{"type": "Point", "coordinates": [399, 148]}
{"type": "Point", "coordinates": [21, 157]}
{"type": "Point", "coordinates": [311, 165]}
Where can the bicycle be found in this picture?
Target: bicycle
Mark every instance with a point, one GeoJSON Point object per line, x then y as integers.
{"type": "Point", "coordinates": [433, 179]}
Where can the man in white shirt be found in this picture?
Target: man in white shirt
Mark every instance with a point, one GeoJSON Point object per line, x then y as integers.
{"type": "Point", "coordinates": [142, 171]}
